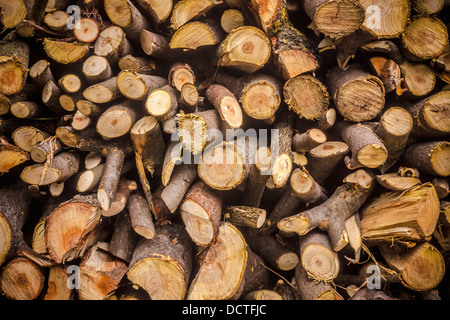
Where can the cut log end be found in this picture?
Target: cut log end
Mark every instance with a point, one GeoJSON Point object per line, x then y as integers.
{"type": "Point", "coordinates": [86, 30]}
{"type": "Point", "coordinates": [321, 263]}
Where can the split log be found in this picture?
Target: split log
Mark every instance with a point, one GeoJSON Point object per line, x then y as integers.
{"type": "Point", "coordinates": [65, 52]}
{"type": "Point", "coordinates": [429, 157]}
{"type": "Point", "coordinates": [187, 10]}
{"type": "Point", "coordinates": [100, 274]}
{"type": "Point", "coordinates": [408, 215]}
{"type": "Point", "coordinates": [57, 288]}
{"type": "Point", "coordinates": [388, 71]}
{"type": "Point", "coordinates": [162, 266]}
{"type": "Point", "coordinates": [331, 215]}
{"type": "Point", "coordinates": [70, 230]}
{"type": "Point", "coordinates": [21, 279]}
{"type": "Point", "coordinates": [395, 182]}
{"type": "Point", "coordinates": [11, 155]}
{"type": "Point", "coordinates": [357, 95]}
{"type": "Point", "coordinates": [201, 212]}
{"type": "Point", "coordinates": [195, 35]}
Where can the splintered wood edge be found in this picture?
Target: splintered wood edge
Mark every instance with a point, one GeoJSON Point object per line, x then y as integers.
{"type": "Point", "coordinates": [169, 282]}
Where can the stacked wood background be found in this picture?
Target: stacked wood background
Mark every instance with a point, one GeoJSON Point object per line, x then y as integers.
{"type": "Point", "coordinates": [98, 202]}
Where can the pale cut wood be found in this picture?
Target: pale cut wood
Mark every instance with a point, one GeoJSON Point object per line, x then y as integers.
{"type": "Point", "coordinates": [186, 10]}
{"type": "Point", "coordinates": [158, 10]}
{"type": "Point", "coordinates": [195, 34]}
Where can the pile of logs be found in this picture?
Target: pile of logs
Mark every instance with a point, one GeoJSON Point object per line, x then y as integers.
{"type": "Point", "coordinates": [115, 126]}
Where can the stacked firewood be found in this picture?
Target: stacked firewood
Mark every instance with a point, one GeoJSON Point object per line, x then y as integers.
{"type": "Point", "coordinates": [224, 149]}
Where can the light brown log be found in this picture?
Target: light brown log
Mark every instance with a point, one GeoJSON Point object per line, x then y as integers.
{"type": "Point", "coordinates": [86, 30]}
{"type": "Point", "coordinates": [226, 105]}
{"type": "Point", "coordinates": [80, 121]}
{"type": "Point", "coordinates": [196, 34]}
{"type": "Point", "coordinates": [155, 45]}
{"type": "Point", "coordinates": [50, 97]}
{"type": "Point", "coordinates": [137, 64]}
{"type": "Point", "coordinates": [13, 13]}
{"type": "Point", "coordinates": [187, 10]}
{"type": "Point", "coordinates": [107, 188]}
{"type": "Point", "coordinates": [136, 86]}
{"type": "Point", "coordinates": [102, 92]}
{"type": "Point", "coordinates": [112, 44]}
{"type": "Point", "coordinates": [231, 19]}
{"type": "Point", "coordinates": [304, 142]}
{"type": "Point", "coordinates": [179, 74]}
{"type": "Point", "coordinates": [40, 73]}
{"type": "Point", "coordinates": [65, 52]}
{"type": "Point", "coordinates": [245, 216]}
{"type": "Point", "coordinates": [120, 199]}
{"type": "Point", "coordinates": [90, 178]}
{"type": "Point", "coordinates": [388, 71]}
{"type": "Point", "coordinates": [140, 216]}
{"type": "Point", "coordinates": [14, 59]}
{"type": "Point", "coordinates": [117, 120]}
{"type": "Point", "coordinates": [96, 69]}
{"type": "Point", "coordinates": [394, 182]}
{"type": "Point", "coordinates": [123, 238]}
{"type": "Point", "coordinates": [11, 155]}
{"type": "Point", "coordinates": [159, 11]}
{"type": "Point", "coordinates": [57, 20]}
{"type": "Point", "coordinates": [46, 148]}
{"type": "Point", "coordinates": [162, 103]}
{"type": "Point", "coordinates": [57, 288]}
{"type": "Point", "coordinates": [429, 157]}
{"type": "Point", "coordinates": [182, 178]}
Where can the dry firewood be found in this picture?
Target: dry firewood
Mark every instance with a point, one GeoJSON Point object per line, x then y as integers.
{"type": "Point", "coordinates": [259, 94]}
{"type": "Point", "coordinates": [50, 97]}
{"type": "Point", "coordinates": [391, 23]}
{"type": "Point", "coordinates": [331, 215]}
{"type": "Point", "coordinates": [86, 30]}
{"type": "Point", "coordinates": [90, 178]}
{"type": "Point", "coordinates": [317, 257]}
{"type": "Point", "coordinates": [272, 251]}
{"type": "Point", "coordinates": [246, 48]}
{"type": "Point", "coordinates": [179, 74]}
{"type": "Point", "coordinates": [65, 52]}
{"type": "Point", "coordinates": [231, 19]}
{"type": "Point", "coordinates": [408, 215]}
{"type": "Point", "coordinates": [57, 20]}
{"type": "Point", "coordinates": [149, 146]}
{"type": "Point", "coordinates": [155, 45]}
{"type": "Point", "coordinates": [102, 92]}
{"type": "Point", "coordinates": [441, 185]}
{"type": "Point", "coordinates": [388, 71]}
{"type": "Point", "coordinates": [136, 86]}
{"type": "Point", "coordinates": [57, 288]}
{"type": "Point", "coordinates": [187, 10]}
{"type": "Point", "coordinates": [123, 239]}
{"type": "Point", "coordinates": [137, 64]}
{"type": "Point", "coordinates": [27, 109]}
{"type": "Point", "coordinates": [14, 207]}
{"type": "Point", "coordinates": [140, 216]}
{"type": "Point", "coordinates": [281, 149]}
{"type": "Point", "coordinates": [117, 120]}
{"type": "Point", "coordinates": [196, 34]}
{"type": "Point", "coordinates": [45, 148]}
{"type": "Point", "coordinates": [96, 69]}
{"type": "Point", "coordinates": [227, 266]}
{"type": "Point", "coordinates": [306, 96]}
{"type": "Point", "coordinates": [70, 230]}
{"type": "Point", "coordinates": [27, 137]}
{"type": "Point", "coordinates": [40, 73]}
{"type": "Point", "coordinates": [68, 102]}
{"type": "Point", "coordinates": [393, 129]}
{"type": "Point", "coordinates": [258, 176]}
{"type": "Point", "coordinates": [395, 182]}
{"type": "Point", "coordinates": [21, 279]}
{"type": "Point", "coordinates": [162, 103]}
{"type": "Point", "coordinates": [107, 187]}
{"type": "Point", "coordinates": [306, 141]}
{"type": "Point", "coordinates": [425, 37]}
{"type": "Point", "coordinates": [302, 188]}
{"type": "Point", "coordinates": [309, 289]}
{"type": "Point", "coordinates": [245, 216]}
{"type": "Point", "coordinates": [293, 50]}
{"type": "Point", "coordinates": [335, 18]}
{"type": "Point", "coordinates": [124, 188]}
{"type": "Point", "coordinates": [201, 212]}
{"type": "Point", "coordinates": [100, 273]}
{"type": "Point", "coordinates": [167, 259]}
{"type": "Point", "coordinates": [370, 294]}
{"type": "Point", "coordinates": [124, 14]}
{"type": "Point", "coordinates": [89, 108]}
{"type": "Point", "coordinates": [112, 44]}
{"type": "Point", "coordinates": [13, 13]}
{"type": "Point", "coordinates": [429, 7]}
{"type": "Point", "coordinates": [358, 96]}
{"type": "Point", "coordinates": [53, 5]}
{"type": "Point", "coordinates": [430, 119]}
{"type": "Point", "coordinates": [226, 105]}
{"type": "Point", "coordinates": [405, 261]}
{"type": "Point", "coordinates": [159, 11]}
{"type": "Point", "coordinates": [429, 157]}
{"type": "Point", "coordinates": [60, 168]}
{"type": "Point", "coordinates": [11, 155]}
{"type": "Point", "coordinates": [14, 59]}
{"type": "Point", "coordinates": [181, 180]}
{"type": "Point", "coordinates": [197, 130]}
{"type": "Point", "coordinates": [172, 157]}
{"type": "Point", "coordinates": [366, 147]}
{"type": "Point", "coordinates": [80, 121]}
{"type": "Point", "coordinates": [28, 93]}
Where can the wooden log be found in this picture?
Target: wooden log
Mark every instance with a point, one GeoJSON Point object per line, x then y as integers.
{"type": "Point", "coordinates": [21, 279]}
{"type": "Point", "coordinates": [26, 137]}
{"type": "Point", "coordinates": [357, 95]}
{"type": "Point", "coordinates": [57, 20]}
{"type": "Point", "coordinates": [40, 73]}
{"type": "Point", "coordinates": [406, 263]}
{"type": "Point", "coordinates": [123, 239]}
{"type": "Point", "coordinates": [366, 148]}
{"type": "Point", "coordinates": [428, 7]}
{"type": "Point", "coordinates": [172, 157]}
{"type": "Point", "coordinates": [136, 86]}
{"type": "Point", "coordinates": [174, 192]}
{"type": "Point", "coordinates": [281, 149]}
{"type": "Point", "coordinates": [11, 155]}
{"type": "Point", "coordinates": [58, 50]}
{"type": "Point", "coordinates": [62, 167]}
{"type": "Point", "coordinates": [107, 188]}
{"type": "Point", "coordinates": [331, 215]}
{"type": "Point", "coordinates": [14, 59]}
{"type": "Point", "coordinates": [96, 69]}
{"type": "Point", "coordinates": [90, 178]}
{"type": "Point", "coordinates": [155, 45]}
{"type": "Point", "coordinates": [86, 30]}
{"type": "Point", "coordinates": [57, 288]}
{"type": "Point", "coordinates": [429, 157]}
{"type": "Point", "coordinates": [137, 64]}
{"type": "Point", "coordinates": [425, 37]}
{"type": "Point", "coordinates": [89, 108]}
{"type": "Point", "coordinates": [317, 257]}
{"type": "Point", "coordinates": [231, 19]}
{"type": "Point", "coordinates": [46, 148]}
{"type": "Point", "coordinates": [201, 212]}
{"type": "Point", "coordinates": [100, 274]}
{"type": "Point", "coordinates": [120, 199]}
{"type": "Point", "coordinates": [245, 216]}
{"type": "Point", "coordinates": [162, 103]}
{"type": "Point", "coordinates": [112, 44]}
{"type": "Point", "coordinates": [102, 92]}
{"type": "Point", "coordinates": [313, 290]}
{"type": "Point", "coordinates": [117, 120]}
{"type": "Point", "coordinates": [187, 10]}
{"type": "Point", "coordinates": [13, 13]}
{"type": "Point", "coordinates": [226, 105]}
{"type": "Point", "coordinates": [50, 97]}
{"type": "Point", "coordinates": [70, 230]}
{"type": "Point", "coordinates": [179, 74]}
{"type": "Point", "coordinates": [166, 259]}
{"type": "Point", "coordinates": [411, 219]}
{"type": "Point", "coordinates": [306, 141]}
{"type": "Point", "coordinates": [14, 209]}
{"type": "Point", "coordinates": [196, 34]}
{"type": "Point", "coordinates": [246, 48]}
{"type": "Point", "coordinates": [394, 182]}
{"type": "Point", "coordinates": [335, 18]}
{"type": "Point", "coordinates": [140, 216]}
{"type": "Point", "coordinates": [158, 11]}
{"type": "Point", "coordinates": [80, 121]}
